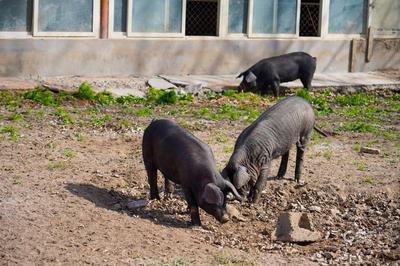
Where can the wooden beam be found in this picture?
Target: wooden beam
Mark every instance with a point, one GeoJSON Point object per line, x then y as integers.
{"type": "Point", "coordinates": [104, 19]}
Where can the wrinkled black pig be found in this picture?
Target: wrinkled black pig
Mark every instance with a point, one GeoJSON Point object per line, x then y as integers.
{"type": "Point", "coordinates": [288, 122]}
{"type": "Point", "coordinates": [185, 160]}
{"type": "Point", "coordinates": [275, 70]}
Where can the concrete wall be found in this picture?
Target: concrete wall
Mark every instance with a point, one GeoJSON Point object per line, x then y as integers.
{"type": "Point", "coordinates": [96, 57]}
{"type": "Point", "coordinates": [385, 55]}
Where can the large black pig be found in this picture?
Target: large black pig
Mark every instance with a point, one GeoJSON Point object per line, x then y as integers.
{"type": "Point", "coordinates": [185, 160]}
{"type": "Point", "coordinates": [270, 72]}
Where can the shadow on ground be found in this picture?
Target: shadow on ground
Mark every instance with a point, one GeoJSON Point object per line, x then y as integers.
{"type": "Point", "coordinates": [108, 198]}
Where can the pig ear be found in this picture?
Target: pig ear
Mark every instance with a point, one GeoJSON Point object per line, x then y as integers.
{"type": "Point", "coordinates": [250, 77]}
{"type": "Point", "coordinates": [241, 177]}
{"type": "Point", "coordinates": [213, 195]}
{"type": "Point", "coordinates": [241, 74]}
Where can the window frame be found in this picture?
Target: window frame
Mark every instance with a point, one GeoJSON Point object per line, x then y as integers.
{"type": "Point", "coordinates": [111, 11]}
{"type": "Point", "coordinates": [17, 34]}
{"type": "Point", "coordinates": [130, 33]}
{"type": "Point", "coordinates": [271, 35]}
{"type": "Point", "coordinates": [95, 24]}
{"type": "Point", "coordinates": [343, 36]}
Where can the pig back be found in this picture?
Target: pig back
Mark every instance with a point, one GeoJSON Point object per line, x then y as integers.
{"type": "Point", "coordinates": [279, 127]}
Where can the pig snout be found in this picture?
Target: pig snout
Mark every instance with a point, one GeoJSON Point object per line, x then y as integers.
{"type": "Point", "coordinates": [223, 218]}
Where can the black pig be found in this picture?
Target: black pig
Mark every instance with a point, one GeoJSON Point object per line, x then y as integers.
{"type": "Point", "coordinates": [288, 122]}
{"type": "Point", "coordinates": [272, 71]}
{"type": "Point", "coordinates": [185, 160]}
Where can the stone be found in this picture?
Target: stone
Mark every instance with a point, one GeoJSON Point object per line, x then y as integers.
{"type": "Point", "coordinates": [160, 84]}
{"type": "Point", "coordinates": [295, 227]}
{"type": "Point", "coordinates": [234, 213]}
{"type": "Point", "coordinates": [369, 150]}
{"type": "Point", "coordinates": [315, 208]}
{"type": "Point", "coordinates": [134, 204]}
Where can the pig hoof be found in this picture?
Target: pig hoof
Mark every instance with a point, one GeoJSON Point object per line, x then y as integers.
{"type": "Point", "coordinates": [300, 184]}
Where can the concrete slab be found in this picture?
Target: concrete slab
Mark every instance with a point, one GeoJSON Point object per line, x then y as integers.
{"type": "Point", "coordinates": [129, 85]}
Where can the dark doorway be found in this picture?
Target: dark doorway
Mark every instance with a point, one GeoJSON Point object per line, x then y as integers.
{"type": "Point", "coordinates": [201, 18]}
{"type": "Point", "coordinates": [310, 18]}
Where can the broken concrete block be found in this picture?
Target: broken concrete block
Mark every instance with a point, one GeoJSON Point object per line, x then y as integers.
{"type": "Point", "coordinates": [369, 150]}
{"type": "Point", "coordinates": [234, 213]}
{"type": "Point", "coordinates": [160, 84]}
{"type": "Point", "coordinates": [295, 227]}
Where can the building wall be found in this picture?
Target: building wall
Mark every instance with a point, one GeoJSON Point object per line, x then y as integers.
{"type": "Point", "coordinates": [94, 57]}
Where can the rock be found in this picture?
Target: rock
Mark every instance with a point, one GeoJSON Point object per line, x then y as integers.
{"type": "Point", "coordinates": [315, 208]}
{"type": "Point", "coordinates": [234, 213]}
{"type": "Point", "coordinates": [160, 84]}
{"type": "Point", "coordinates": [194, 89]}
{"type": "Point", "coordinates": [335, 211]}
{"type": "Point", "coordinates": [295, 227]}
{"type": "Point", "coordinates": [369, 150]}
{"type": "Point", "coordinates": [134, 204]}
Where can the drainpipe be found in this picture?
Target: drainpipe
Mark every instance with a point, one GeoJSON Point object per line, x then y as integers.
{"type": "Point", "coordinates": [104, 19]}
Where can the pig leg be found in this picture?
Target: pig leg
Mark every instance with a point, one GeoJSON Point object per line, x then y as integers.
{"type": "Point", "coordinates": [169, 188]}
{"type": "Point", "coordinates": [306, 80]}
{"type": "Point", "coordinates": [152, 179]}
{"type": "Point", "coordinates": [256, 190]}
{"type": "Point", "coordinates": [275, 88]}
{"type": "Point", "coordinates": [299, 162]}
{"type": "Point", "coordinates": [193, 207]}
{"type": "Point", "coordinates": [283, 166]}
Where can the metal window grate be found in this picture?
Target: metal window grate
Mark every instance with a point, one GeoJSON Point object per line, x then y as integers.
{"type": "Point", "coordinates": [201, 18]}
{"type": "Point", "coordinates": [309, 19]}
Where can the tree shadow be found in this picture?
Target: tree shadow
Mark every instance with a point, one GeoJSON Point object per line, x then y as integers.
{"type": "Point", "coordinates": [109, 198]}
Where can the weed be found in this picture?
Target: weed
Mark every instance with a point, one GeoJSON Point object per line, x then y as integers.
{"type": "Point", "coordinates": [17, 180]}
{"type": "Point", "coordinates": [356, 99]}
{"type": "Point", "coordinates": [101, 120]}
{"type": "Point", "coordinates": [65, 116]}
{"type": "Point", "coordinates": [145, 111]}
{"type": "Point", "coordinates": [390, 135]}
{"type": "Point", "coordinates": [124, 123]}
{"type": "Point", "coordinates": [327, 155]}
{"type": "Point", "coordinates": [42, 96]}
{"type": "Point", "coordinates": [28, 111]}
{"type": "Point", "coordinates": [57, 165]}
{"type": "Point", "coordinates": [211, 95]}
{"type": "Point", "coordinates": [162, 96]}
{"type": "Point", "coordinates": [11, 131]}
{"type": "Point", "coordinates": [221, 139]}
{"type": "Point", "coordinates": [79, 136]}
{"type": "Point", "coordinates": [104, 98]}
{"type": "Point", "coordinates": [361, 166]}
{"type": "Point", "coordinates": [356, 126]}
{"type": "Point", "coordinates": [369, 180]}
{"type": "Point", "coordinates": [228, 149]}
{"type": "Point", "coordinates": [16, 117]}
{"type": "Point", "coordinates": [230, 93]}
{"type": "Point", "coordinates": [202, 111]}
{"type": "Point", "coordinates": [181, 262]}
{"type": "Point", "coordinates": [69, 153]}
{"type": "Point", "coordinates": [320, 103]}
{"type": "Point", "coordinates": [130, 99]}
{"type": "Point", "coordinates": [86, 92]}
{"type": "Point", "coordinates": [230, 111]}
{"type": "Point", "coordinates": [357, 147]}
{"type": "Point", "coordinates": [223, 259]}
{"type": "Point", "coordinates": [10, 100]}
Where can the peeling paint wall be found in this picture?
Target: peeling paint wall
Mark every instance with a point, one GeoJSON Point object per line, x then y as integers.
{"type": "Point", "coordinates": [54, 57]}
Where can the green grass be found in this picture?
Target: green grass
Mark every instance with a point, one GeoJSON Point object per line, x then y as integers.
{"type": "Point", "coordinates": [369, 180]}
{"type": "Point", "coordinates": [11, 131]}
{"type": "Point", "coordinates": [356, 99]}
{"type": "Point", "coordinates": [362, 166]}
{"type": "Point", "coordinates": [69, 153]}
{"type": "Point", "coordinates": [223, 259]}
{"type": "Point", "coordinates": [65, 117]}
{"type": "Point", "coordinates": [53, 165]}
{"type": "Point", "coordinates": [16, 117]}
{"type": "Point", "coordinates": [100, 120]}
{"type": "Point", "coordinates": [320, 102]}
{"type": "Point", "coordinates": [42, 96]}
{"type": "Point", "coordinates": [356, 126]}
{"type": "Point", "coordinates": [145, 111]}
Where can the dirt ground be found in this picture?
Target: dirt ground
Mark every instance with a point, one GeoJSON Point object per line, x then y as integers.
{"type": "Point", "coordinates": [65, 193]}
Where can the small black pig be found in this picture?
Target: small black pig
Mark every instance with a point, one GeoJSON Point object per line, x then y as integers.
{"type": "Point", "coordinates": [288, 122]}
{"type": "Point", "coordinates": [272, 71]}
{"type": "Point", "coordinates": [185, 160]}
